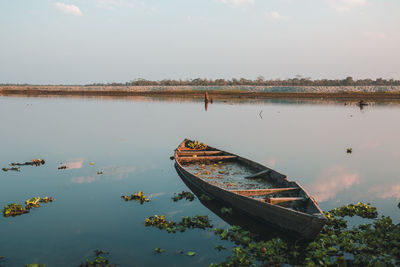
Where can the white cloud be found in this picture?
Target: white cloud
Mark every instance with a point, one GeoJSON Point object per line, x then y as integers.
{"type": "Point", "coordinates": [274, 15]}
{"type": "Point", "coordinates": [110, 4]}
{"type": "Point", "coordinates": [346, 5]}
{"type": "Point", "coordinates": [68, 9]}
{"type": "Point", "coordinates": [238, 2]}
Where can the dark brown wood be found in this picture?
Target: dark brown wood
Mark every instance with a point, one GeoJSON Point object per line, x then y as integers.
{"type": "Point", "coordinates": [261, 192]}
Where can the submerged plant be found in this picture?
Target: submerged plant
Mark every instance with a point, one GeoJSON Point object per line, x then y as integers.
{"type": "Point", "coordinates": [137, 196]}
{"type": "Point", "coordinates": [184, 194]}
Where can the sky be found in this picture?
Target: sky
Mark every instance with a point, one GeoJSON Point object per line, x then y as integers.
{"type": "Point", "coordinates": [91, 41]}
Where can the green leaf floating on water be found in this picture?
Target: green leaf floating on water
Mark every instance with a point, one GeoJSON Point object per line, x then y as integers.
{"type": "Point", "coordinates": [191, 253]}
{"type": "Point", "coordinates": [35, 265]}
{"type": "Point", "coordinates": [159, 250]}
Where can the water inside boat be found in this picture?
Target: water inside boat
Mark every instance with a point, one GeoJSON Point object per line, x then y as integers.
{"type": "Point", "coordinates": [232, 175]}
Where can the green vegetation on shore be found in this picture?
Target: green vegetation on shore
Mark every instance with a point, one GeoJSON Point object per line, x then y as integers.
{"type": "Point", "coordinates": [260, 81]}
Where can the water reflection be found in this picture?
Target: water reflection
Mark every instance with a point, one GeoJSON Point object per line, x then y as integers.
{"type": "Point", "coordinates": [130, 140]}
{"type": "Point", "coordinates": [386, 192]}
{"type": "Point", "coordinates": [332, 181]}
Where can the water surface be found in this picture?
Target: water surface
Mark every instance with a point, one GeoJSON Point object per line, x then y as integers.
{"type": "Point", "coordinates": [131, 141]}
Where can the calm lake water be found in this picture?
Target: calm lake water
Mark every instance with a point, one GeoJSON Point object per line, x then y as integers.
{"type": "Point", "coordinates": [131, 141]}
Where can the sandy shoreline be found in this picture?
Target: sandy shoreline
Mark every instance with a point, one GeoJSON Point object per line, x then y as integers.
{"type": "Point", "coordinates": [370, 93]}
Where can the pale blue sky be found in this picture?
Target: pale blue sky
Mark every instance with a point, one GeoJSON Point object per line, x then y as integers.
{"type": "Point", "coordinates": [85, 41]}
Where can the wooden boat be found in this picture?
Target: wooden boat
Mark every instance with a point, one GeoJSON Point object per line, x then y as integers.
{"type": "Point", "coordinates": [252, 188]}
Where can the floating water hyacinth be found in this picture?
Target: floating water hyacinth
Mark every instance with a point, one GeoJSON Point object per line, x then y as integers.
{"type": "Point", "coordinates": [184, 194]}
{"type": "Point", "coordinates": [16, 209]}
{"type": "Point", "coordinates": [137, 196]}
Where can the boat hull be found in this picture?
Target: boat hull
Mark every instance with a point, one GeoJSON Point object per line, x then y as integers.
{"type": "Point", "coordinates": [306, 225]}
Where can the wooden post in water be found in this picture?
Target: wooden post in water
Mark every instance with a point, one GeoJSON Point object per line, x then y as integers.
{"type": "Point", "coordinates": [206, 98]}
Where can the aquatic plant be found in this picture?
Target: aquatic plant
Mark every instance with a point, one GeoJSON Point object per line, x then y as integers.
{"type": "Point", "coordinates": [198, 221]}
{"type": "Point", "coordinates": [191, 253]}
{"type": "Point", "coordinates": [33, 162]}
{"type": "Point", "coordinates": [47, 199]}
{"type": "Point", "coordinates": [18, 169]}
{"type": "Point", "coordinates": [184, 194]}
{"type": "Point", "coordinates": [137, 196]}
{"type": "Point", "coordinates": [376, 243]}
{"type": "Point", "coordinates": [98, 261]}
{"type": "Point", "coordinates": [14, 210]}
{"type": "Point", "coordinates": [159, 250]}
{"type": "Point", "coordinates": [32, 202]}
{"type": "Point", "coordinates": [35, 265]}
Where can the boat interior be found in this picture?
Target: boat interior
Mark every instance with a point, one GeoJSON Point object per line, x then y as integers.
{"type": "Point", "coordinates": [244, 177]}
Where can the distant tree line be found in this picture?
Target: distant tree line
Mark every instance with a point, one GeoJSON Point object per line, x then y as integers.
{"type": "Point", "coordinates": [260, 81]}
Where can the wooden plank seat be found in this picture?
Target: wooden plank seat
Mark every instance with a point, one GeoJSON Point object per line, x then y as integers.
{"type": "Point", "coordinates": [261, 192]}
{"type": "Point", "coordinates": [211, 158]}
{"type": "Point", "coordinates": [199, 153]}
{"type": "Point", "coordinates": [278, 200]}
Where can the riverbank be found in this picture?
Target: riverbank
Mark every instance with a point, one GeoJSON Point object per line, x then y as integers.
{"type": "Point", "coordinates": [370, 93]}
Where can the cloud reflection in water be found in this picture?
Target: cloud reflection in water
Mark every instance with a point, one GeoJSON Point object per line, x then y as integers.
{"type": "Point", "coordinates": [332, 181]}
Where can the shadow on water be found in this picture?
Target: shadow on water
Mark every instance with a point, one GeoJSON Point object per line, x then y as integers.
{"type": "Point", "coordinates": [263, 231]}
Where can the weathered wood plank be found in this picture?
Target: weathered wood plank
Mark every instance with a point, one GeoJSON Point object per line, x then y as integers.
{"type": "Point", "coordinates": [260, 192]}
{"type": "Point", "coordinates": [277, 200]}
{"type": "Point", "coordinates": [188, 153]}
{"type": "Point", "coordinates": [188, 159]}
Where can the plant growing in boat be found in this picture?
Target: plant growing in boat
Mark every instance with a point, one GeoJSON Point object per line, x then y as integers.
{"type": "Point", "coordinates": [196, 145]}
